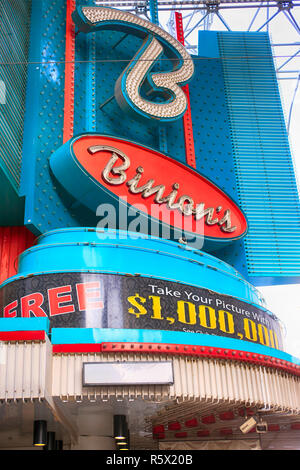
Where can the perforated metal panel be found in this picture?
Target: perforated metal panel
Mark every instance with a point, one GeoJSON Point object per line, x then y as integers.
{"type": "Point", "coordinates": [266, 184]}
{"type": "Point", "coordinates": [15, 22]}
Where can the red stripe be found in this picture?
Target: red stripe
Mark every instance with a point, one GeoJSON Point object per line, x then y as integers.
{"type": "Point", "coordinates": [76, 348]}
{"type": "Point", "coordinates": [38, 335]}
{"type": "Point", "coordinates": [69, 73]}
{"type": "Point", "coordinates": [180, 349]}
{"type": "Point", "coordinates": [187, 117]}
{"type": "Point", "coordinates": [203, 351]}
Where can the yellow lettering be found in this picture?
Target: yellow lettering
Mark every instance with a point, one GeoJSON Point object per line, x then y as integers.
{"type": "Point", "coordinates": [263, 335]}
{"type": "Point", "coordinates": [209, 322]}
{"type": "Point", "coordinates": [274, 339]}
{"type": "Point", "coordinates": [181, 311]}
{"type": "Point", "coordinates": [156, 307]}
{"type": "Point", "coordinates": [250, 329]}
{"type": "Point", "coordinates": [140, 309]}
{"type": "Point", "coordinates": [222, 321]}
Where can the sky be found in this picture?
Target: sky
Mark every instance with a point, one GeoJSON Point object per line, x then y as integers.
{"type": "Point", "coordinates": [284, 300]}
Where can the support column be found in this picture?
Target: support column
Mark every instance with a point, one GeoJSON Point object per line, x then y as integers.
{"type": "Point", "coordinates": [95, 429]}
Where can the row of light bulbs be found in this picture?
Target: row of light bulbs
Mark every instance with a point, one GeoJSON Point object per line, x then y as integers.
{"type": "Point", "coordinates": [134, 77]}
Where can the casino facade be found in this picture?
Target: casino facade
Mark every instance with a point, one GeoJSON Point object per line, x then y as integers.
{"type": "Point", "coordinates": [146, 194]}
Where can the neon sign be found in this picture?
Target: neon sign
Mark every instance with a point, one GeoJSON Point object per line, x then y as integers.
{"type": "Point", "coordinates": [138, 72]}
{"type": "Point", "coordinates": [116, 175]}
{"type": "Point", "coordinates": [95, 169]}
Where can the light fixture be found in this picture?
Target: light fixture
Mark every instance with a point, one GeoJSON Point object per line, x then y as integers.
{"type": "Point", "coordinates": [120, 427]}
{"type": "Point", "coordinates": [124, 444]}
{"type": "Point", "coordinates": [39, 433]}
{"type": "Point", "coordinates": [262, 426]}
{"type": "Point", "coordinates": [58, 445]}
{"type": "Point", "coordinates": [121, 442]}
{"type": "Point", "coordinates": [50, 441]}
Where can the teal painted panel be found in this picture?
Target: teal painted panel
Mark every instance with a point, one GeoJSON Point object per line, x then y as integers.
{"type": "Point", "coordinates": [24, 324]}
{"type": "Point", "coordinates": [208, 45]}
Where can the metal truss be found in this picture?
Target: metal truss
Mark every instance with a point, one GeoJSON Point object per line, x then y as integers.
{"type": "Point", "coordinates": [281, 19]}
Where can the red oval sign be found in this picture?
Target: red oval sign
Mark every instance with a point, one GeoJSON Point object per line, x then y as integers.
{"type": "Point", "coordinates": [155, 184]}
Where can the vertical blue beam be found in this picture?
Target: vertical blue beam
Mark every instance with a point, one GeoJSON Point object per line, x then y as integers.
{"type": "Point", "coordinates": [162, 135]}
{"type": "Point", "coordinates": [32, 108]}
{"type": "Point", "coordinates": [154, 11]}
